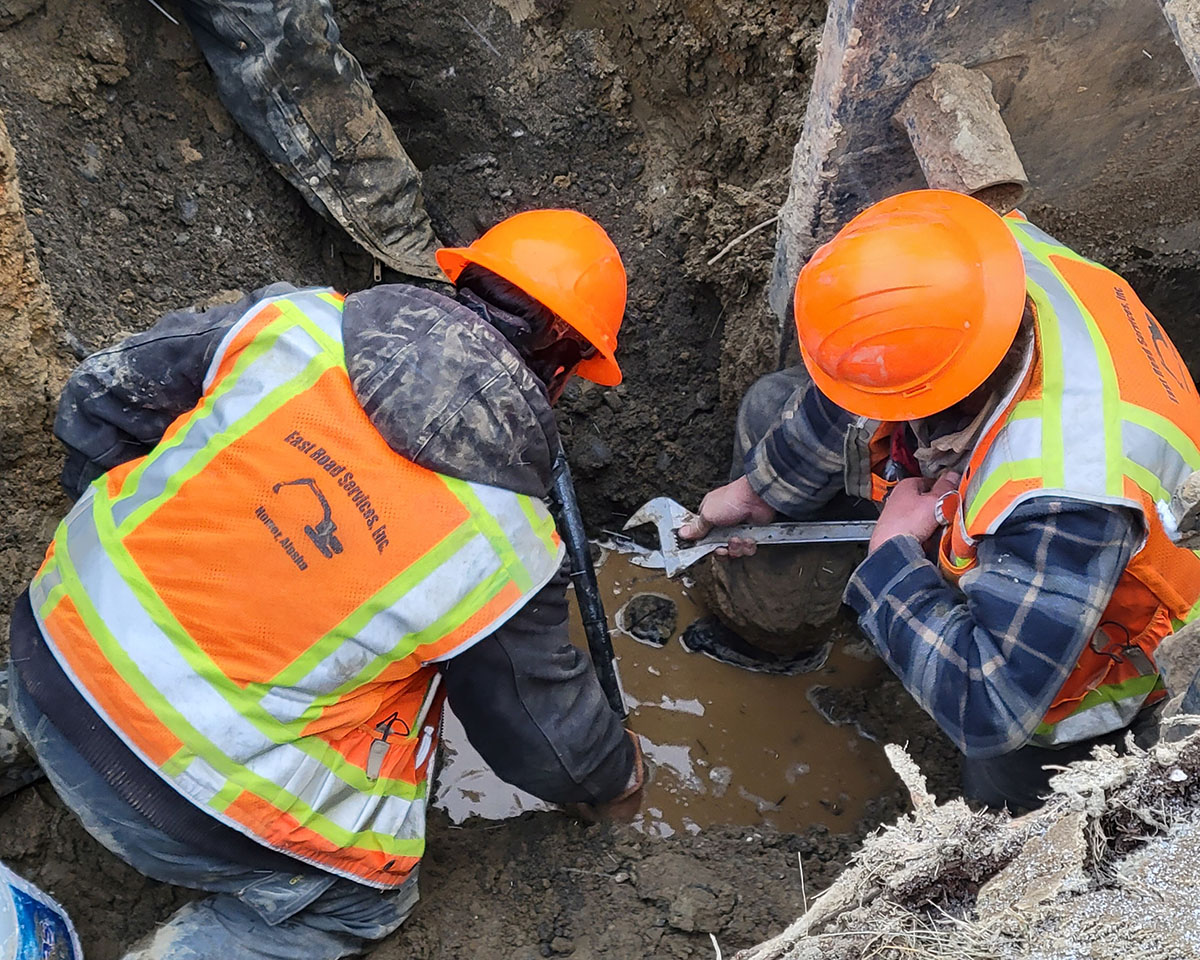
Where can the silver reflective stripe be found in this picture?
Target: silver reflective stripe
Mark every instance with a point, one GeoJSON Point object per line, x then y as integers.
{"type": "Point", "coordinates": [1147, 449]}
{"type": "Point", "coordinates": [1082, 415]}
{"type": "Point", "coordinates": [1006, 401]}
{"type": "Point", "coordinates": [285, 360]}
{"type": "Point", "coordinates": [505, 507]}
{"type": "Point", "coordinates": [324, 314]}
{"type": "Point", "coordinates": [418, 609]}
{"type": "Point", "coordinates": [41, 587]}
{"type": "Point", "coordinates": [1017, 440]}
{"type": "Point", "coordinates": [1094, 722]}
{"type": "Point", "coordinates": [200, 782]}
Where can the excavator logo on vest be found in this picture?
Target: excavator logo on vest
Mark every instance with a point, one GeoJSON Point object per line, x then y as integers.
{"type": "Point", "coordinates": [322, 534]}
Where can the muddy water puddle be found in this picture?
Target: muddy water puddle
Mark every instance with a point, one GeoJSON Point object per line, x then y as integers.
{"type": "Point", "coordinates": [728, 746]}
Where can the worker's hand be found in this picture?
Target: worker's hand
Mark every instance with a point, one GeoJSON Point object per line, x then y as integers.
{"type": "Point", "coordinates": [910, 509]}
{"type": "Point", "coordinates": [624, 807]}
{"type": "Point", "coordinates": [726, 506]}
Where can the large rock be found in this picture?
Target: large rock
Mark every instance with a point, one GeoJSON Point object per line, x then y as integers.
{"type": "Point", "coordinates": [779, 598]}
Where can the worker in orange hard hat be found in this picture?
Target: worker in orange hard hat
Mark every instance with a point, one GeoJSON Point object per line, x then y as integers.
{"type": "Point", "coordinates": [1024, 419]}
{"type": "Point", "coordinates": [303, 523]}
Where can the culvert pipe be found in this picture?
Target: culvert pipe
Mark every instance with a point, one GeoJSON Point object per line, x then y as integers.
{"type": "Point", "coordinates": [960, 139]}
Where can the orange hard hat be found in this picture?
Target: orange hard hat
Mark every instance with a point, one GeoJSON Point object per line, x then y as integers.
{"type": "Point", "coordinates": [566, 262]}
{"type": "Point", "coordinates": [911, 306]}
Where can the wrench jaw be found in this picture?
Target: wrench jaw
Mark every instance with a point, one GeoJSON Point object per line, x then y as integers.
{"type": "Point", "coordinates": [668, 516]}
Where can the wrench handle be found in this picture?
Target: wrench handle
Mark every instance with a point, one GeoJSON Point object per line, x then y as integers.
{"type": "Point", "coordinates": [820, 531]}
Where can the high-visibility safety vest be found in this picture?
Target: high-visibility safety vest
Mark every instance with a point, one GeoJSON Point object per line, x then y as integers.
{"type": "Point", "coordinates": [1105, 412]}
{"type": "Point", "coordinates": [258, 605]}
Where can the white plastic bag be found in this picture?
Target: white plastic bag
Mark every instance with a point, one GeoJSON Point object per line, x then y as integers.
{"type": "Point", "coordinates": [32, 925]}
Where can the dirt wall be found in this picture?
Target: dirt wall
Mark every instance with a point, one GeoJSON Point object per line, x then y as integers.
{"type": "Point", "coordinates": [671, 123]}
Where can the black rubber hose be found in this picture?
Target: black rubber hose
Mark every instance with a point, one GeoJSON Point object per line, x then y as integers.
{"type": "Point", "coordinates": [587, 590]}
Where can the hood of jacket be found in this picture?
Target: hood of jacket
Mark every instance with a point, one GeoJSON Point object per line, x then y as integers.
{"type": "Point", "coordinates": [447, 391]}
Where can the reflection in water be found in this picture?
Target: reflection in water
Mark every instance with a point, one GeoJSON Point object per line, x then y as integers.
{"type": "Point", "coordinates": [727, 746]}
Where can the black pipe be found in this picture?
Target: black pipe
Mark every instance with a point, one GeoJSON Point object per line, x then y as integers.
{"type": "Point", "coordinates": [587, 590]}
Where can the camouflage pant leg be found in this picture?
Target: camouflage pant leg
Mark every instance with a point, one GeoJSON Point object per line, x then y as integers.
{"type": "Point", "coordinates": [759, 411]}
{"type": "Point", "coordinates": [17, 765]}
{"type": "Point", "coordinates": [282, 72]}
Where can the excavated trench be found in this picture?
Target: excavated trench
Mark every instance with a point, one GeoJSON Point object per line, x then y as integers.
{"type": "Point", "coordinates": [672, 123]}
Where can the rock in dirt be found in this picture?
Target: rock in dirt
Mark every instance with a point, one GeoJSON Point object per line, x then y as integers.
{"type": "Point", "coordinates": [649, 617]}
{"type": "Point", "coordinates": [711, 637]}
{"type": "Point", "coordinates": [696, 898]}
{"type": "Point", "coordinates": [13, 11]}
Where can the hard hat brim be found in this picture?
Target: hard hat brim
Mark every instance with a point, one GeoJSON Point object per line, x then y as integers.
{"type": "Point", "coordinates": [1003, 302]}
{"type": "Point", "coordinates": [601, 369]}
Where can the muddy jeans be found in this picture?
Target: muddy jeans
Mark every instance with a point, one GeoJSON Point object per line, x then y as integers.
{"type": "Point", "coordinates": [254, 915]}
{"type": "Point", "coordinates": [283, 73]}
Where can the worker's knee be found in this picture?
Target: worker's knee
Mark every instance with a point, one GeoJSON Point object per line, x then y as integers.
{"type": "Point", "coordinates": [363, 912]}
{"type": "Point", "coordinates": [268, 919]}
{"type": "Point", "coordinates": [760, 407]}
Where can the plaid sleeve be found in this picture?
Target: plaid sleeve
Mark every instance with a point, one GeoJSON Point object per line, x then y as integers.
{"type": "Point", "coordinates": [986, 662]}
{"type": "Point", "coordinates": [797, 466]}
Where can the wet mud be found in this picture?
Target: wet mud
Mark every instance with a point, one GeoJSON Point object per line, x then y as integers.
{"type": "Point", "coordinates": [727, 747]}
{"type": "Point", "coordinates": [734, 747]}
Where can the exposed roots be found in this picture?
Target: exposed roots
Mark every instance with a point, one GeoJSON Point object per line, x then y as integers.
{"type": "Point", "coordinates": [1105, 868]}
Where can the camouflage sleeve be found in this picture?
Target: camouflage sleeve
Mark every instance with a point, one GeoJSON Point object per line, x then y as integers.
{"type": "Point", "coordinates": [531, 705]}
{"type": "Point", "coordinates": [118, 403]}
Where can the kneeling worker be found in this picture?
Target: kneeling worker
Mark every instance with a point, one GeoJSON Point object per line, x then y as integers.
{"type": "Point", "coordinates": [303, 521]}
{"type": "Point", "coordinates": [1034, 406]}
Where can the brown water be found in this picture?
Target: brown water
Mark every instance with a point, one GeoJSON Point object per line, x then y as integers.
{"type": "Point", "coordinates": [728, 746]}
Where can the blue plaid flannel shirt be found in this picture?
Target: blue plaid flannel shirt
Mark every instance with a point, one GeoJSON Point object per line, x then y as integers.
{"type": "Point", "coordinates": [986, 658]}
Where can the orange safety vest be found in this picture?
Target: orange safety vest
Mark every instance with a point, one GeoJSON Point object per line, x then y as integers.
{"type": "Point", "coordinates": [257, 606]}
{"type": "Point", "coordinates": [1104, 411]}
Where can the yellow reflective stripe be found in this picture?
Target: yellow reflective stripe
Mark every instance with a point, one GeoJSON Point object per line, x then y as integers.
{"type": "Point", "coordinates": [218, 441]}
{"type": "Point", "coordinates": [291, 311]}
{"type": "Point", "coordinates": [388, 596]}
{"type": "Point", "coordinates": [471, 604]}
{"type": "Point", "coordinates": [204, 409]}
{"type": "Point", "coordinates": [53, 598]}
{"type": "Point", "coordinates": [225, 796]}
{"type": "Point", "coordinates": [1042, 246]}
{"type": "Point", "coordinates": [1146, 480]}
{"type": "Point", "coordinates": [1026, 410]}
{"type": "Point", "coordinates": [491, 530]}
{"type": "Point", "coordinates": [179, 761]}
{"type": "Point", "coordinates": [542, 525]}
{"type": "Point", "coordinates": [1160, 425]}
{"type": "Point", "coordinates": [1139, 687]}
{"type": "Point", "coordinates": [1004, 472]}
